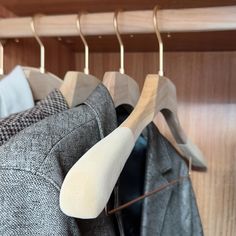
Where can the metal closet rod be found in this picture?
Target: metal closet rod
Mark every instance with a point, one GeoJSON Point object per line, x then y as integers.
{"type": "Point", "coordinates": [130, 22]}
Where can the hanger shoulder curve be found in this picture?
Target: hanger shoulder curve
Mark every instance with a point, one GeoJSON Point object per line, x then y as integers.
{"type": "Point", "coordinates": [159, 95]}
{"type": "Point", "coordinates": [145, 108]}
{"type": "Point", "coordinates": [41, 84]}
{"type": "Point", "coordinates": [77, 86]}
{"type": "Point", "coordinates": [167, 105]}
{"type": "Point", "coordinates": [123, 89]}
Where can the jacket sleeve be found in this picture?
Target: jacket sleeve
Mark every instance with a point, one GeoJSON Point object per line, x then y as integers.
{"type": "Point", "coordinates": [28, 207]}
{"type": "Point", "coordinates": [182, 213]}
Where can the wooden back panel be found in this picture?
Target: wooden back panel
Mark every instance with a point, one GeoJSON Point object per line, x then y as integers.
{"type": "Point", "coordinates": [59, 58]}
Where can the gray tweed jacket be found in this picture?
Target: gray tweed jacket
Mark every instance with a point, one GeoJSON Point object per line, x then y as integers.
{"type": "Point", "coordinates": [34, 163]}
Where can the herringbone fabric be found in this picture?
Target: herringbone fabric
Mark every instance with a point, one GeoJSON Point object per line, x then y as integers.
{"type": "Point", "coordinates": [13, 124]}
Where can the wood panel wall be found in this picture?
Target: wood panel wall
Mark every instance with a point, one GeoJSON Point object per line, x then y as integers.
{"type": "Point", "coordinates": [206, 89]}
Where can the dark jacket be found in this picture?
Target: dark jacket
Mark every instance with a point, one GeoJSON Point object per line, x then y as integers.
{"type": "Point", "coordinates": [173, 211]}
{"type": "Point", "coordinates": [153, 163]}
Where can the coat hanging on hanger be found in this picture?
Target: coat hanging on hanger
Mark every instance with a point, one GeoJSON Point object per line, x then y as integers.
{"type": "Point", "coordinates": [110, 154]}
{"type": "Point", "coordinates": [34, 163]}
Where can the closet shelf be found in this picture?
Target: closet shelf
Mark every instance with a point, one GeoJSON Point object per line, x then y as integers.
{"type": "Point", "coordinates": [130, 22]}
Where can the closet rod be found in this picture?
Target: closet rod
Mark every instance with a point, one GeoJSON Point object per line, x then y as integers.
{"type": "Point", "coordinates": [130, 22]}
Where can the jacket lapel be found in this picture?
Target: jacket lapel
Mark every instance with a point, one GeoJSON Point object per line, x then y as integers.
{"type": "Point", "coordinates": [158, 163]}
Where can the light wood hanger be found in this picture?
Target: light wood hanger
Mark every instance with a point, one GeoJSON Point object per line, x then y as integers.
{"type": "Point", "coordinates": [123, 89]}
{"type": "Point", "coordinates": [89, 183]}
{"type": "Point", "coordinates": [77, 86]}
{"type": "Point", "coordinates": [40, 81]}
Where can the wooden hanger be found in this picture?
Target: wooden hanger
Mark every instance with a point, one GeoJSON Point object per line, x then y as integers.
{"type": "Point", "coordinates": [41, 82]}
{"type": "Point", "coordinates": [123, 89]}
{"type": "Point", "coordinates": [89, 183]}
{"type": "Point", "coordinates": [77, 86]}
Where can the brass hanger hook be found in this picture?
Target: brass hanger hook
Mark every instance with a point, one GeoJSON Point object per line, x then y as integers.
{"type": "Point", "coordinates": [1, 58]}
{"type": "Point", "coordinates": [161, 71]}
{"type": "Point", "coordinates": [115, 21]}
{"type": "Point", "coordinates": [42, 49]}
{"type": "Point", "coordinates": [86, 55]}
{"type": "Point", "coordinates": [190, 167]}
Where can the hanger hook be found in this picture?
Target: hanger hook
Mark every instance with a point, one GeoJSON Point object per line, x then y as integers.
{"type": "Point", "coordinates": [1, 58]}
{"type": "Point", "coordinates": [158, 34]}
{"type": "Point", "coordinates": [42, 49]}
{"type": "Point", "coordinates": [115, 22]}
{"type": "Point", "coordinates": [190, 166]}
{"type": "Point", "coordinates": [86, 56]}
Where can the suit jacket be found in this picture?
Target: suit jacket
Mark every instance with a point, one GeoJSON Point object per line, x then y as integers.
{"type": "Point", "coordinates": [152, 164]}
{"type": "Point", "coordinates": [34, 163]}
{"type": "Point", "coordinates": [174, 210]}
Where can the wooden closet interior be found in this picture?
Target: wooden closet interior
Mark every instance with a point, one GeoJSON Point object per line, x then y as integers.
{"type": "Point", "coordinates": [201, 64]}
